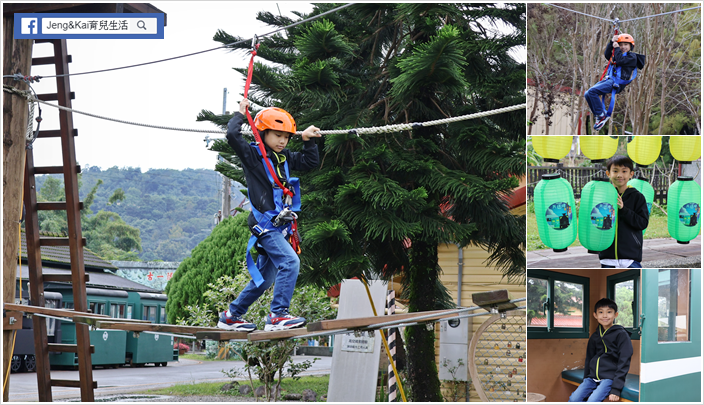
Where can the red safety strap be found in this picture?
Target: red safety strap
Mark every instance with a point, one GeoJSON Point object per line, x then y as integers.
{"type": "Point", "coordinates": [295, 238]}
{"type": "Point", "coordinates": [612, 58]}
{"type": "Point", "coordinates": [257, 137]}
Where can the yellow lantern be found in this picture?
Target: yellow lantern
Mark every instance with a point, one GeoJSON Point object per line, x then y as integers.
{"type": "Point", "coordinates": [686, 149]}
{"type": "Point", "coordinates": [552, 148]}
{"type": "Point", "coordinates": [644, 150]}
{"type": "Point", "coordinates": [598, 148]}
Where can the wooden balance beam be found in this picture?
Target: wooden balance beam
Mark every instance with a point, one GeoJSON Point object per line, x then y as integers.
{"type": "Point", "coordinates": [78, 317]}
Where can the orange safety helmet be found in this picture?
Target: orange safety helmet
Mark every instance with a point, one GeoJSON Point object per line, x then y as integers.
{"type": "Point", "coordinates": [275, 118]}
{"type": "Point", "coordinates": [626, 38]}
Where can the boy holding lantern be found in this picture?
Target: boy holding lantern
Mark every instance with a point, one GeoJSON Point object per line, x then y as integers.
{"type": "Point", "coordinates": [627, 249]}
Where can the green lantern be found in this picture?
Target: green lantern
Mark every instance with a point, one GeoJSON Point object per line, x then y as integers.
{"type": "Point", "coordinates": [598, 148]}
{"type": "Point", "coordinates": [554, 208]}
{"type": "Point", "coordinates": [684, 200]}
{"type": "Point", "coordinates": [642, 185]}
{"type": "Point", "coordinates": [597, 215]}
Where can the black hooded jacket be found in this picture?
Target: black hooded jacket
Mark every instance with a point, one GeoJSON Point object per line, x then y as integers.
{"type": "Point", "coordinates": [632, 219]}
{"type": "Point", "coordinates": [609, 356]}
{"type": "Point", "coordinates": [261, 192]}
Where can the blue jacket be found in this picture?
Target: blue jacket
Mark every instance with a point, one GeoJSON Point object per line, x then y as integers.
{"type": "Point", "coordinates": [625, 62]}
{"type": "Point", "coordinates": [260, 189]}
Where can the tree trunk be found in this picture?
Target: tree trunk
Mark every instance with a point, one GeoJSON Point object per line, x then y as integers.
{"type": "Point", "coordinates": [422, 278]}
{"type": "Point", "coordinates": [17, 58]}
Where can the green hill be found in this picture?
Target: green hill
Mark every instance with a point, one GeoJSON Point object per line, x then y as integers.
{"type": "Point", "coordinates": [174, 210]}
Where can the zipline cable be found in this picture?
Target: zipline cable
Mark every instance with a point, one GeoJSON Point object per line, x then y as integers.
{"type": "Point", "coordinates": [631, 19]}
{"type": "Point", "coordinates": [370, 130]}
{"type": "Point", "coordinates": [36, 78]}
{"type": "Point", "coordinates": [655, 15]}
{"type": "Point", "coordinates": [578, 12]}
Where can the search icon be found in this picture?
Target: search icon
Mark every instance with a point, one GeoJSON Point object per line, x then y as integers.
{"type": "Point", "coordinates": [140, 24]}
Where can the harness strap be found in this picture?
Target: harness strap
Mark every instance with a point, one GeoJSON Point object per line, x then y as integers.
{"type": "Point", "coordinates": [610, 60]}
{"type": "Point", "coordinates": [257, 137]}
{"type": "Point", "coordinates": [264, 220]}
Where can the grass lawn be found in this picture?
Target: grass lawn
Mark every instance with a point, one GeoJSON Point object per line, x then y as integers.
{"type": "Point", "coordinates": [657, 228]}
{"type": "Point", "coordinates": [199, 357]}
{"type": "Point", "coordinates": [318, 384]}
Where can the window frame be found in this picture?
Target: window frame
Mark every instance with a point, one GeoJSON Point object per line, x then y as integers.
{"type": "Point", "coordinates": [611, 282]}
{"type": "Point", "coordinates": [550, 331]}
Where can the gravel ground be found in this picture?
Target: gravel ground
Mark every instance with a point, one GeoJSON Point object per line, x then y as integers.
{"type": "Point", "coordinates": [679, 263]}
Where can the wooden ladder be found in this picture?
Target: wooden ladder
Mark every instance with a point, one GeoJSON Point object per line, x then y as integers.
{"type": "Point", "coordinates": [75, 241]}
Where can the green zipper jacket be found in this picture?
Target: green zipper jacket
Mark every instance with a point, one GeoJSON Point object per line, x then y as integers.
{"type": "Point", "coordinates": [609, 356]}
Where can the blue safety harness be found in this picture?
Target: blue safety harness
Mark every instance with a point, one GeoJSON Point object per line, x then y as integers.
{"type": "Point", "coordinates": [614, 73]}
{"type": "Point", "coordinates": [265, 220]}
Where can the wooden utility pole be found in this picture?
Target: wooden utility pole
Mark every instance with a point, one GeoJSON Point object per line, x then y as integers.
{"type": "Point", "coordinates": [226, 186]}
{"type": "Point", "coordinates": [17, 58]}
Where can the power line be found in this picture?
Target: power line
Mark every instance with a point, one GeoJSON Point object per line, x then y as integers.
{"type": "Point", "coordinates": [36, 78]}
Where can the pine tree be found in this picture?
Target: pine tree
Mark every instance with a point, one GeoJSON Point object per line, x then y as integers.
{"type": "Point", "coordinates": [380, 204]}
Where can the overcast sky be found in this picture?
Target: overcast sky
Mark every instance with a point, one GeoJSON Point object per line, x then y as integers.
{"type": "Point", "coordinates": [169, 93]}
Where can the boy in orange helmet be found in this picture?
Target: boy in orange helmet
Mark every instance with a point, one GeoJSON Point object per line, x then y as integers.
{"type": "Point", "coordinates": [623, 69]}
{"type": "Point", "coordinates": [272, 214]}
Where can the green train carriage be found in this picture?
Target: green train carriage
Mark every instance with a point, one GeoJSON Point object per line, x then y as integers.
{"type": "Point", "coordinates": [110, 345]}
{"type": "Point", "coordinates": [143, 348]}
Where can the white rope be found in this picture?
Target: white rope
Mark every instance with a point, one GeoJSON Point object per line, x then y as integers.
{"type": "Point", "coordinates": [404, 127]}
{"type": "Point", "coordinates": [369, 130]}
{"type": "Point", "coordinates": [29, 134]}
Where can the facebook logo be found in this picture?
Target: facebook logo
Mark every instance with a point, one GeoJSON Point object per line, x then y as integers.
{"type": "Point", "coordinates": [30, 26]}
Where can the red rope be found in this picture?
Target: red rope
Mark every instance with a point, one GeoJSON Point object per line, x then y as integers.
{"type": "Point", "coordinates": [257, 137]}
{"type": "Point", "coordinates": [612, 58]}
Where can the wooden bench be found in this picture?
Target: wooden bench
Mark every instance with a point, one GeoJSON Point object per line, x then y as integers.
{"type": "Point", "coordinates": [629, 393]}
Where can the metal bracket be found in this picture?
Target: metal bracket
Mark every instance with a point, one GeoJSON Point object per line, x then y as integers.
{"type": "Point", "coordinates": [255, 39]}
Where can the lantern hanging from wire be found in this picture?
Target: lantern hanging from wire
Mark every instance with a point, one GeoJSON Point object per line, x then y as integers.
{"type": "Point", "coordinates": [684, 200]}
{"type": "Point", "coordinates": [686, 149]}
{"type": "Point", "coordinates": [554, 210]}
{"type": "Point", "coordinates": [598, 148]}
{"type": "Point", "coordinates": [552, 148]}
{"type": "Point", "coordinates": [641, 184]}
{"type": "Point", "coordinates": [644, 150]}
{"type": "Point", "coordinates": [597, 215]}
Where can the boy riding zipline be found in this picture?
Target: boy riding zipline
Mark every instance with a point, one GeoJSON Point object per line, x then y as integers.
{"type": "Point", "coordinates": [622, 69]}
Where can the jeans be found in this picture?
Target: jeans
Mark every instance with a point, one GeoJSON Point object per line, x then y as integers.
{"type": "Point", "coordinates": [280, 264]}
{"type": "Point", "coordinates": [634, 265]}
{"type": "Point", "coordinates": [591, 391]}
{"type": "Point", "coordinates": [595, 92]}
